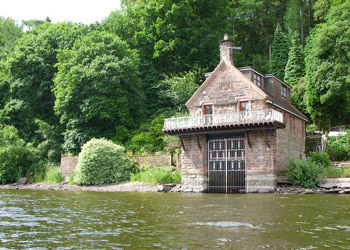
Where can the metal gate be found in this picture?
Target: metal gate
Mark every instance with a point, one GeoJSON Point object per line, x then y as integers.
{"type": "Point", "coordinates": [226, 165]}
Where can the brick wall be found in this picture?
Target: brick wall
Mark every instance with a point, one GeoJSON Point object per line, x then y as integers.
{"type": "Point", "coordinates": [194, 164]}
{"type": "Point", "coordinates": [68, 163]}
{"type": "Point", "coordinates": [155, 160]}
{"type": "Point", "coordinates": [260, 176]}
{"type": "Point", "coordinates": [290, 142]}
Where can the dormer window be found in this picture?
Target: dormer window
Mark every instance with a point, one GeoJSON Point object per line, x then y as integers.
{"type": "Point", "coordinates": [257, 80]}
{"type": "Point", "coordinates": [284, 91]}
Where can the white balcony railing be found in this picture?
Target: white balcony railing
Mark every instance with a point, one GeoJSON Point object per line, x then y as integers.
{"type": "Point", "coordinates": [245, 117]}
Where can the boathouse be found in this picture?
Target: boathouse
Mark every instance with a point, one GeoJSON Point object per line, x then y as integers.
{"type": "Point", "coordinates": [240, 132]}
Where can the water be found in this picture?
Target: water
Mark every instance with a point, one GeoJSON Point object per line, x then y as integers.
{"type": "Point", "coordinates": [89, 220]}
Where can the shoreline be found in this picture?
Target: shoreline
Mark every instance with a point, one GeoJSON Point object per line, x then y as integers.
{"type": "Point", "coordinates": [65, 186]}
{"type": "Point", "coordinates": [327, 186]}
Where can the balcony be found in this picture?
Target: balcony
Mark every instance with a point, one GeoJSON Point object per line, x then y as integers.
{"type": "Point", "coordinates": [247, 120]}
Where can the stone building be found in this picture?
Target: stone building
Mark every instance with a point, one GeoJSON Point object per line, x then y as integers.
{"type": "Point", "coordinates": [241, 130]}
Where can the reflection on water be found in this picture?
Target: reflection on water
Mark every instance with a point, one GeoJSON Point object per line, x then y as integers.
{"type": "Point", "coordinates": [88, 220]}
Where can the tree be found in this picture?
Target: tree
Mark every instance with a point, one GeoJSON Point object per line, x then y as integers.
{"type": "Point", "coordinates": [299, 18]}
{"type": "Point", "coordinates": [9, 33]}
{"type": "Point", "coordinates": [295, 71]}
{"type": "Point", "coordinates": [171, 37]}
{"type": "Point", "coordinates": [328, 69]}
{"type": "Point", "coordinates": [27, 76]}
{"type": "Point", "coordinates": [279, 55]}
{"type": "Point", "coordinates": [97, 88]}
{"type": "Point", "coordinates": [16, 157]}
{"type": "Point", "coordinates": [32, 23]}
{"type": "Point", "coordinates": [179, 88]}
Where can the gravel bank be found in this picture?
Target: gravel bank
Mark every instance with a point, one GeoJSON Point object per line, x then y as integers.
{"type": "Point", "coordinates": [64, 186]}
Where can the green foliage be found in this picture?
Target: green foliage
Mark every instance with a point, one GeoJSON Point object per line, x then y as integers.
{"type": "Point", "coordinates": [27, 76]}
{"type": "Point", "coordinates": [299, 18]}
{"type": "Point", "coordinates": [16, 157]}
{"type": "Point", "coordinates": [338, 147]}
{"type": "Point", "coordinates": [175, 36]}
{"type": "Point", "coordinates": [9, 33]}
{"type": "Point", "coordinates": [295, 71]}
{"type": "Point", "coordinates": [50, 147]}
{"type": "Point", "coordinates": [97, 88]}
{"type": "Point", "coordinates": [71, 180]}
{"type": "Point", "coordinates": [179, 88]}
{"type": "Point", "coordinates": [150, 138]}
{"type": "Point", "coordinates": [101, 162]}
{"type": "Point", "coordinates": [279, 54]}
{"type": "Point", "coordinates": [336, 173]}
{"type": "Point", "coordinates": [53, 174]}
{"type": "Point", "coordinates": [328, 69]}
{"type": "Point", "coordinates": [153, 175]}
{"type": "Point", "coordinates": [304, 173]}
{"type": "Point", "coordinates": [320, 159]}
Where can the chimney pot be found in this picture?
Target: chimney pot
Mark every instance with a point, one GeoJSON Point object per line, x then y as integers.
{"type": "Point", "coordinates": [226, 36]}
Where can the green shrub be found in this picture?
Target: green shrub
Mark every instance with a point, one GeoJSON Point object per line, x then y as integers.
{"type": "Point", "coordinates": [320, 159]}
{"type": "Point", "coordinates": [16, 157]}
{"type": "Point", "coordinates": [304, 173]}
{"type": "Point", "coordinates": [164, 175]}
{"type": "Point", "coordinates": [100, 162]}
{"type": "Point", "coordinates": [339, 147]}
{"type": "Point", "coordinates": [333, 173]}
{"type": "Point", "coordinates": [53, 174]}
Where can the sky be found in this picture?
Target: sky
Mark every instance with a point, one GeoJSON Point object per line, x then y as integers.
{"type": "Point", "coordinates": [84, 11]}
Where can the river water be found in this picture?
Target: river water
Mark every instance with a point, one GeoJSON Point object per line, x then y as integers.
{"type": "Point", "coordinates": [91, 220]}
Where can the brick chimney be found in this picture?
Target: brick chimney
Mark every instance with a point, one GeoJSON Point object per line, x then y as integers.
{"type": "Point", "coordinates": [226, 49]}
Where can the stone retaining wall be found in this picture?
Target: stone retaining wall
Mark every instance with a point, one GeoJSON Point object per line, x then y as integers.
{"type": "Point", "coordinates": [194, 183]}
{"type": "Point", "coordinates": [68, 163]}
{"type": "Point", "coordinates": [155, 160]}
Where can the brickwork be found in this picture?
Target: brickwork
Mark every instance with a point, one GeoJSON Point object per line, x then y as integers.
{"type": "Point", "coordinates": [224, 89]}
{"type": "Point", "coordinates": [155, 160]}
{"type": "Point", "coordinates": [290, 142]}
{"type": "Point", "coordinates": [68, 164]}
{"type": "Point", "coordinates": [194, 164]}
{"type": "Point", "coordinates": [260, 175]}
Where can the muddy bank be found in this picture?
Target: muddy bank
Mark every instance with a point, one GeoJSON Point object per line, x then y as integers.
{"type": "Point", "coordinates": [123, 187]}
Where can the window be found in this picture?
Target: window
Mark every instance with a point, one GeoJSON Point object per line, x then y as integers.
{"type": "Point", "coordinates": [284, 91]}
{"type": "Point", "coordinates": [243, 106]}
{"type": "Point", "coordinates": [257, 80]}
{"type": "Point", "coordinates": [207, 109]}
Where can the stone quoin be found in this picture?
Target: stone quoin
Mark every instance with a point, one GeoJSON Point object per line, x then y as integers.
{"type": "Point", "coordinates": [240, 132]}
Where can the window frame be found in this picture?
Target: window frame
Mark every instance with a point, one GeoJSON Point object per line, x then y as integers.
{"type": "Point", "coordinates": [283, 91]}
{"type": "Point", "coordinates": [257, 80]}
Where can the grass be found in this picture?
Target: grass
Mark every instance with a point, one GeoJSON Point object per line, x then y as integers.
{"type": "Point", "coordinates": [336, 172]}
{"type": "Point", "coordinates": [51, 173]}
{"type": "Point", "coordinates": [164, 175]}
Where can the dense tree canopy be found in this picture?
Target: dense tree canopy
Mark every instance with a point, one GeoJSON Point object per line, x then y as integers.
{"type": "Point", "coordinates": [27, 75]}
{"type": "Point", "coordinates": [9, 32]}
{"type": "Point", "coordinates": [328, 68]}
{"type": "Point", "coordinates": [97, 88]}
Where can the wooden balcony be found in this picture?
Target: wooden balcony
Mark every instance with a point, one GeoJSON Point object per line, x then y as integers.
{"type": "Point", "coordinates": [216, 123]}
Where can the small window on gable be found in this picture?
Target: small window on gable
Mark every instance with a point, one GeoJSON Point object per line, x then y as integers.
{"type": "Point", "coordinates": [257, 80]}
{"type": "Point", "coordinates": [283, 91]}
